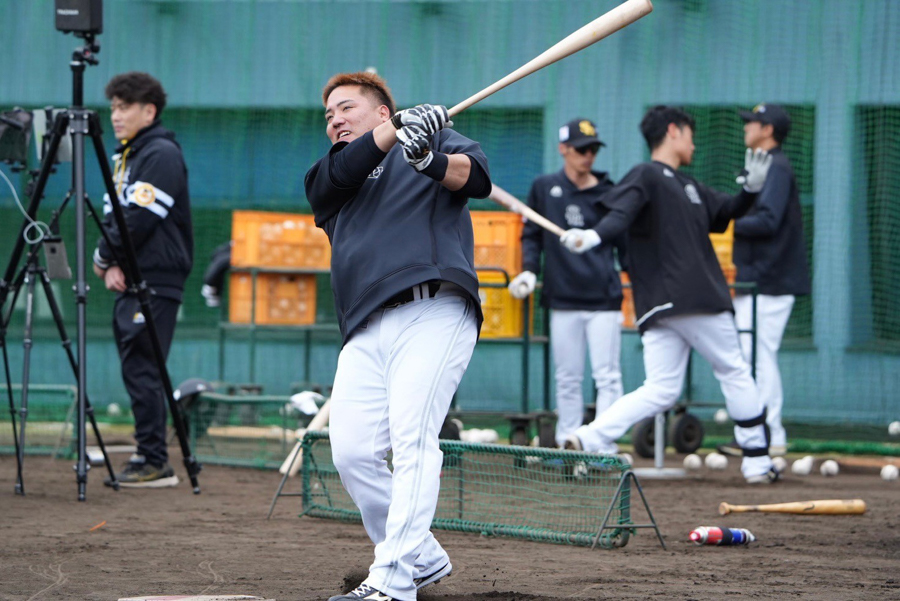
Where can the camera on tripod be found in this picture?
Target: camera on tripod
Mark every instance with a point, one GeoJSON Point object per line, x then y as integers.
{"type": "Point", "coordinates": [80, 17]}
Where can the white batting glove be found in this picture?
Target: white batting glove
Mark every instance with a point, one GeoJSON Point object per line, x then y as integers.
{"type": "Point", "coordinates": [428, 118]}
{"type": "Point", "coordinates": [579, 241]}
{"type": "Point", "coordinates": [522, 285]}
{"type": "Point", "coordinates": [210, 295]}
{"type": "Point", "coordinates": [416, 146]}
{"type": "Point", "coordinates": [756, 167]}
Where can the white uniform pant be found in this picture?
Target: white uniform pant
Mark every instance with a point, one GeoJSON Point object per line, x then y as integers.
{"type": "Point", "coordinates": [395, 380]}
{"type": "Point", "coordinates": [571, 333]}
{"type": "Point", "coordinates": [772, 314]}
{"type": "Point", "coordinates": [667, 346]}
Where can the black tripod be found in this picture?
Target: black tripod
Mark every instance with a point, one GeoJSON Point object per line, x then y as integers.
{"type": "Point", "coordinates": [81, 122]}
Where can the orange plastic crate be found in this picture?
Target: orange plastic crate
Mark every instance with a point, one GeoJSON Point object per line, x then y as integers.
{"type": "Point", "coordinates": [723, 244]}
{"type": "Point", "coordinates": [502, 312]}
{"type": "Point", "coordinates": [278, 240]}
{"type": "Point", "coordinates": [498, 240]}
{"type": "Point", "coordinates": [281, 299]}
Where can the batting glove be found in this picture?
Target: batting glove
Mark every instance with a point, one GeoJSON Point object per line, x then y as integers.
{"type": "Point", "coordinates": [756, 167]}
{"type": "Point", "coordinates": [522, 285]}
{"type": "Point", "coordinates": [428, 118]}
{"type": "Point", "coordinates": [416, 146]}
{"type": "Point", "coordinates": [579, 241]}
{"type": "Point", "coordinates": [210, 295]}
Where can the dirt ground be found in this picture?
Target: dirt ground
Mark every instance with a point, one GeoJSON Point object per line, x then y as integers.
{"type": "Point", "coordinates": [219, 542]}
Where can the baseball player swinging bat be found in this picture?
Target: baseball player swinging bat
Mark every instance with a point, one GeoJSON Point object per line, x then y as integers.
{"type": "Point", "coordinates": [601, 27]}
{"type": "Point", "coordinates": [826, 507]}
{"type": "Point", "coordinates": [319, 421]}
{"type": "Point", "coordinates": [504, 198]}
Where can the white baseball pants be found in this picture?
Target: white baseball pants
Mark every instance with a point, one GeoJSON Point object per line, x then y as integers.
{"type": "Point", "coordinates": [667, 346]}
{"type": "Point", "coordinates": [571, 333]}
{"type": "Point", "coordinates": [772, 314]}
{"type": "Point", "coordinates": [395, 380]}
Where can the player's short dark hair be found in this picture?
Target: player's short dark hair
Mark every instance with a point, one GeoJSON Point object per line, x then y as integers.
{"type": "Point", "coordinates": [656, 122]}
{"type": "Point", "coordinates": [372, 85]}
{"type": "Point", "coordinates": [136, 86]}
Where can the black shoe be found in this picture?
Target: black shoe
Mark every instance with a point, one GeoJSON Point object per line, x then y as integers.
{"type": "Point", "coordinates": [434, 577]}
{"type": "Point", "coordinates": [731, 449]}
{"type": "Point", "coordinates": [138, 473]}
{"type": "Point", "coordinates": [363, 592]}
{"type": "Point", "coordinates": [770, 477]}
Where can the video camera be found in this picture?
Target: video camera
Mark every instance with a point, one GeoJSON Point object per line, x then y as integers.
{"type": "Point", "coordinates": [80, 17]}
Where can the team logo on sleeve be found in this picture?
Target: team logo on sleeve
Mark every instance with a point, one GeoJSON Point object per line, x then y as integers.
{"type": "Point", "coordinates": [378, 170]}
{"type": "Point", "coordinates": [574, 216]}
{"type": "Point", "coordinates": [692, 194]}
{"type": "Point", "coordinates": [556, 192]}
{"type": "Point", "coordinates": [138, 318]}
{"type": "Point", "coordinates": [144, 194]}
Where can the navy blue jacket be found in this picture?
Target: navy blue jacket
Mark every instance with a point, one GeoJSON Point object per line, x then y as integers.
{"type": "Point", "coordinates": [586, 282]}
{"type": "Point", "coordinates": [769, 246]}
{"type": "Point", "coordinates": [390, 226]}
{"type": "Point", "coordinates": [152, 182]}
{"type": "Point", "coordinates": [671, 262]}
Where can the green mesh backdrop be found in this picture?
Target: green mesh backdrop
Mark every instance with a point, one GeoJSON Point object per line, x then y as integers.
{"type": "Point", "coordinates": [244, 81]}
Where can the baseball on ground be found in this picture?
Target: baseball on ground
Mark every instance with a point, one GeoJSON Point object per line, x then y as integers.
{"type": "Point", "coordinates": [829, 468]}
{"type": "Point", "coordinates": [889, 472]}
{"type": "Point", "coordinates": [716, 461]}
{"type": "Point", "coordinates": [780, 464]}
{"type": "Point", "coordinates": [693, 462]}
{"type": "Point", "coordinates": [802, 467]}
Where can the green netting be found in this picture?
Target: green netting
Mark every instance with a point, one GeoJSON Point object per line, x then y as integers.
{"type": "Point", "coordinates": [521, 492]}
{"type": "Point", "coordinates": [244, 79]}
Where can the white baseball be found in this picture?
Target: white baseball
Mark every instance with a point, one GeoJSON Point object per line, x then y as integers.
{"type": "Point", "coordinates": [490, 436]}
{"type": "Point", "coordinates": [829, 468]}
{"type": "Point", "coordinates": [716, 461]}
{"type": "Point", "coordinates": [721, 416]}
{"type": "Point", "coordinates": [780, 464]}
{"type": "Point", "coordinates": [470, 435]}
{"type": "Point", "coordinates": [802, 467]}
{"type": "Point", "coordinates": [889, 472]}
{"type": "Point", "coordinates": [113, 410]}
{"type": "Point", "coordinates": [894, 429]}
{"type": "Point", "coordinates": [693, 462]}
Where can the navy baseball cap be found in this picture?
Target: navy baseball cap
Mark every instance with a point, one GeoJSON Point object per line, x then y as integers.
{"type": "Point", "coordinates": [579, 133]}
{"type": "Point", "coordinates": [770, 114]}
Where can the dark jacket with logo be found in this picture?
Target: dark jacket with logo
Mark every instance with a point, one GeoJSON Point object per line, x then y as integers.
{"type": "Point", "coordinates": [671, 261]}
{"type": "Point", "coordinates": [586, 282]}
{"type": "Point", "coordinates": [390, 226]}
{"type": "Point", "coordinates": [769, 247]}
{"type": "Point", "coordinates": [152, 182]}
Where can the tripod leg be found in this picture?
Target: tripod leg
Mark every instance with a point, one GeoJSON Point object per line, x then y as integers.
{"type": "Point", "coordinates": [26, 368]}
{"type": "Point", "coordinates": [133, 276]}
{"type": "Point", "coordinates": [67, 345]}
{"type": "Point", "coordinates": [12, 405]}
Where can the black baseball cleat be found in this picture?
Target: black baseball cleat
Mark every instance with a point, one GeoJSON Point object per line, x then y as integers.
{"type": "Point", "coordinates": [138, 473]}
{"type": "Point", "coordinates": [435, 577]}
{"type": "Point", "coordinates": [769, 477]}
{"type": "Point", "coordinates": [732, 449]}
{"type": "Point", "coordinates": [363, 592]}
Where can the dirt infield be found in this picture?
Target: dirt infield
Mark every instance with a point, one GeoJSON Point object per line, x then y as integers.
{"type": "Point", "coordinates": [173, 542]}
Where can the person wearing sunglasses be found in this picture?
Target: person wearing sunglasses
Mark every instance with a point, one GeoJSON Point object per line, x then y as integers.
{"type": "Point", "coordinates": [583, 292]}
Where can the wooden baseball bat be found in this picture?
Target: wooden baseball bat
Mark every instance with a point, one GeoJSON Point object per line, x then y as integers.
{"type": "Point", "coordinates": [504, 198]}
{"type": "Point", "coordinates": [319, 421]}
{"type": "Point", "coordinates": [601, 27]}
{"type": "Point", "coordinates": [829, 507]}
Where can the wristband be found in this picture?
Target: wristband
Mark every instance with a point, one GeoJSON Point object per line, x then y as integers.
{"type": "Point", "coordinates": [437, 169]}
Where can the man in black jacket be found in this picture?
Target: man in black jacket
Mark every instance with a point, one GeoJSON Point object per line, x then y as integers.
{"type": "Point", "coordinates": [151, 180]}
{"type": "Point", "coordinates": [392, 195]}
{"type": "Point", "coordinates": [770, 250]}
{"type": "Point", "coordinates": [583, 292]}
{"type": "Point", "coordinates": [680, 294]}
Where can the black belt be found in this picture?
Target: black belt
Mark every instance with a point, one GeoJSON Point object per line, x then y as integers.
{"type": "Point", "coordinates": [419, 291]}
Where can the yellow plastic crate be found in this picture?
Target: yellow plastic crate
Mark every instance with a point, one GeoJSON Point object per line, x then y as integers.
{"type": "Point", "coordinates": [278, 240]}
{"type": "Point", "coordinates": [281, 299]}
{"type": "Point", "coordinates": [502, 312]}
{"type": "Point", "coordinates": [723, 244]}
{"type": "Point", "coordinates": [498, 240]}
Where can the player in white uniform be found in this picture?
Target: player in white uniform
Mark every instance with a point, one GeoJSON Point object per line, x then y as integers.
{"type": "Point", "coordinates": [583, 292]}
{"type": "Point", "coordinates": [406, 295]}
{"type": "Point", "coordinates": [680, 294]}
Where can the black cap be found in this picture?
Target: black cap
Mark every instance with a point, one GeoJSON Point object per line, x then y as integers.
{"type": "Point", "coordinates": [579, 133]}
{"type": "Point", "coordinates": [770, 114]}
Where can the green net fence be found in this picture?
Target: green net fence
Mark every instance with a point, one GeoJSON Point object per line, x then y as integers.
{"type": "Point", "coordinates": [244, 80]}
{"type": "Point", "coordinates": [520, 492]}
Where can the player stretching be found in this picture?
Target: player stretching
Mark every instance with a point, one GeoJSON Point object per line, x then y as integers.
{"type": "Point", "coordinates": [680, 295]}
{"type": "Point", "coordinates": [584, 292]}
{"type": "Point", "coordinates": [406, 294]}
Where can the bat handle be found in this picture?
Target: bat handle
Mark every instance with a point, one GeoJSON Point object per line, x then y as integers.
{"type": "Point", "coordinates": [724, 508]}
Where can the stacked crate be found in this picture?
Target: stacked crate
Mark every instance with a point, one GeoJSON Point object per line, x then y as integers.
{"type": "Point", "coordinates": [282, 246]}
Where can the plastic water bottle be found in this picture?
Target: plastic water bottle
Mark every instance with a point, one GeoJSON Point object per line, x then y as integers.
{"type": "Point", "coordinates": [712, 535]}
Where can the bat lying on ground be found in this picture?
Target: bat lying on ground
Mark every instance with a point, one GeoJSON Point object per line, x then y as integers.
{"type": "Point", "coordinates": [830, 507]}
{"type": "Point", "coordinates": [608, 23]}
{"type": "Point", "coordinates": [318, 422]}
{"type": "Point", "coordinates": [504, 198]}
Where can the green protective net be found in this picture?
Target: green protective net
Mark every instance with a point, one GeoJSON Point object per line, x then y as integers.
{"type": "Point", "coordinates": [244, 80]}
{"type": "Point", "coordinates": [520, 492]}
